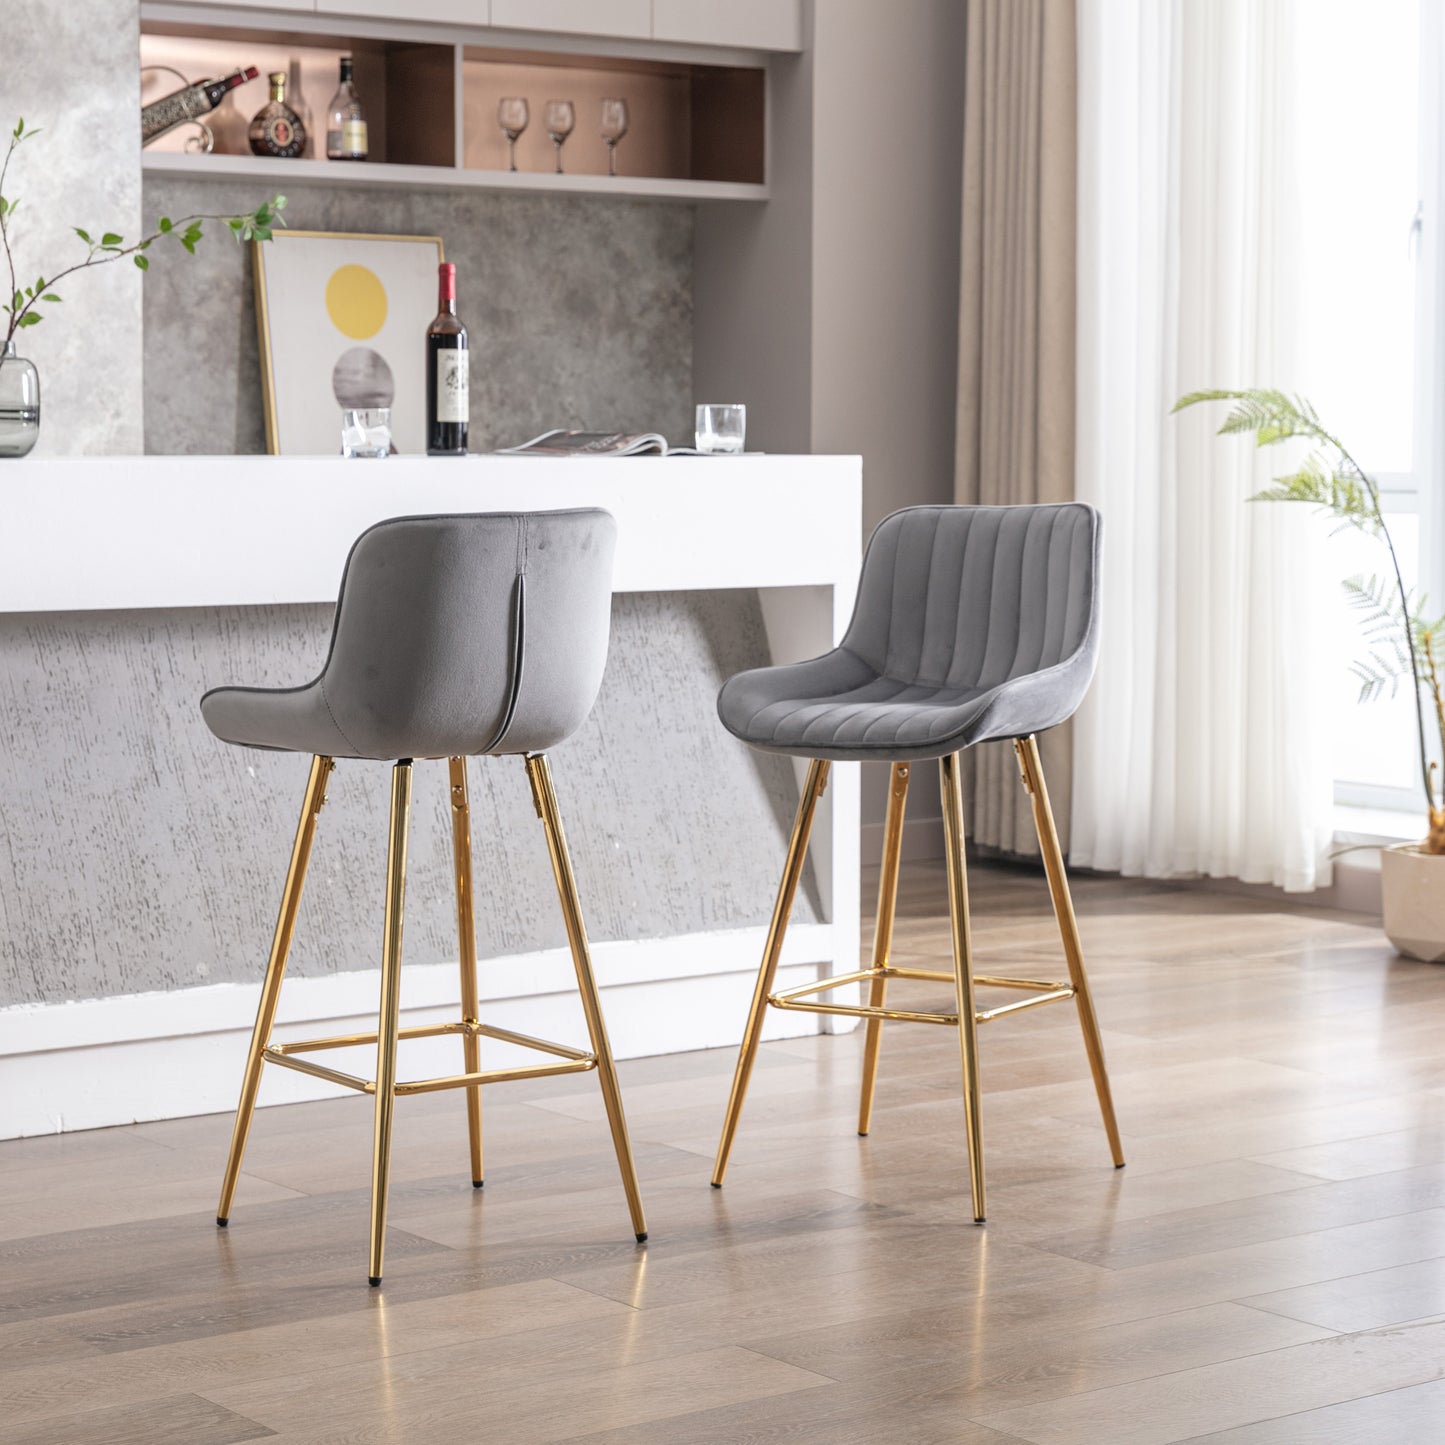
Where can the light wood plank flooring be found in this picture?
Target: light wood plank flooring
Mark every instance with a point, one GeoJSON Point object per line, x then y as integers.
{"type": "Point", "coordinates": [1269, 1269]}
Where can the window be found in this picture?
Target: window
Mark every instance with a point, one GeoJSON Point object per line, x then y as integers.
{"type": "Point", "coordinates": [1363, 137]}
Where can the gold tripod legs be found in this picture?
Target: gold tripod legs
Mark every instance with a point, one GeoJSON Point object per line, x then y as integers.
{"type": "Point", "coordinates": [390, 1013]}
{"type": "Point", "coordinates": [467, 953]}
{"type": "Point", "coordinates": [883, 935]}
{"type": "Point", "coordinates": [1033, 778]}
{"type": "Point", "coordinates": [813, 786]}
{"type": "Point", "coordinates": [275, 971]}
{"type": "Point", "coordinates": [953, 842]}
{"type": "Point", "coordinates": [539, 774]}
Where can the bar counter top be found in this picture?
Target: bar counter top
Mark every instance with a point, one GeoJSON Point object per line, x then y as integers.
{"type": "Point", "coordinates": [99, 533]}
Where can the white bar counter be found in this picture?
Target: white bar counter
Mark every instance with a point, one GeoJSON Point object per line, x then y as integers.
{"type": "Point", "coordinates": [91, 534]}
{"type": "Point", "coordinates": [97, 535]}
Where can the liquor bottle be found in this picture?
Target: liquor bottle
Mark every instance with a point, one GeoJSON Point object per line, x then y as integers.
{"type": "Point", "coordinates": [346, 121]}
{"type": "Point", "coordinates": [195, 100]}
{"type": "Point", "coordinates": [446, 372]}
{"type": "Point", "coordinates": [276, 129]}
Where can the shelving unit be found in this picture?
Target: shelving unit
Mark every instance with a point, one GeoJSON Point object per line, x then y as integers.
{"type": "Point", "coordinates": [328, 173]}
{"type": "Point", "coordinates": [698, 130]}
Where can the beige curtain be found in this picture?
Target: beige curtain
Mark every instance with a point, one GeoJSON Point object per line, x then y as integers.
{"type": "Point", "coordinates": [1015, 438]}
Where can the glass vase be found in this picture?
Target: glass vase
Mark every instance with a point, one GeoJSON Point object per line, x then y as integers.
{"type": "Point", "coordinates": [19, 403]}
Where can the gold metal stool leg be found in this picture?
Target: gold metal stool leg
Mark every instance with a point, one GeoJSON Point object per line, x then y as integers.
{"type": "Point", "coordinates": [389, 1017]}
{"type": "Point", "coordinates": [813, 786]}
{"type": "Point", "coordinates": [963, 973]}
{"type": "Point", "coordinates": [1033, 778]}
{"type": "Point", "coordinates": [539, 774]}
{"type": "Point", "coordinates": [883, 935]}
{"type": "Point", "coordinates": [467, 946]}
{"type": "Point", "coordinates": [275, 971]}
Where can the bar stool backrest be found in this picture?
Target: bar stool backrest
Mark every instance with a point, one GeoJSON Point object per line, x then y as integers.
{"type": "Point", "coordinates": [969, 597]}
{"type": "Point", "coordinates": [473, 633]}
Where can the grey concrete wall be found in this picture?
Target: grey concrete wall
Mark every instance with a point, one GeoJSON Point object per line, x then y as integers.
{"type": "Point", "coordinates": [70, 70]}
{"type": "Point", "coordinates": [137, 852]}
{"type": "Point", "coordinates": [578, 311]}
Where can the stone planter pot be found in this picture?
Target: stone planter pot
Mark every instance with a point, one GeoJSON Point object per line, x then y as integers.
{"type": "Point", "coordinates": [1413, 887]}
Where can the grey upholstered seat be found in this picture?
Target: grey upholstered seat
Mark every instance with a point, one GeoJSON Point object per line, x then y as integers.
{"type": "Point", "coordinates": [454, 636]}
{"type": "Point", "coordinates": [972, 623]}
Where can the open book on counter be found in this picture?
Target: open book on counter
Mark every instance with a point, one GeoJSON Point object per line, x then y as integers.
{"type": "Point", "coordinates": [596, 444]}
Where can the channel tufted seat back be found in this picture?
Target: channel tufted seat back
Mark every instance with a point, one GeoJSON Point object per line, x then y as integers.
{"type": "Point", "coordinates": [971, 623]}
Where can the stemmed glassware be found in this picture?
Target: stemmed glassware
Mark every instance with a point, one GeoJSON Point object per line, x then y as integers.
{"type": "Point", "coordinates": [614, 127]}
{"type": "Point", "coordinates": [512, 116]}
{"type": "Point", "coordinates": [560, 119]}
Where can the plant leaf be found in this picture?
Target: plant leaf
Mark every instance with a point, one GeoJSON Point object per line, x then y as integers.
{"type": "Point", "coordinates": [142, 262]}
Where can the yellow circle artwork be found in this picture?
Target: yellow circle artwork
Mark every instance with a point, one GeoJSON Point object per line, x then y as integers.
{"type": "Point", "coordinates": [356, 301]}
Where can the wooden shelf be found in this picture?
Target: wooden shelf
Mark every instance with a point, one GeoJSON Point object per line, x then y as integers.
{"type": "Point", "coordinates": [274, 174]}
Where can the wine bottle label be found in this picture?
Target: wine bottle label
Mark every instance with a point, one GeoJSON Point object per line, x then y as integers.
{"type": "Point", "coordinates": [451, 384]}
{"type": "Point", "coordinates": [278, 135]}
{"type": "Point", "coordinates": [353, 137]}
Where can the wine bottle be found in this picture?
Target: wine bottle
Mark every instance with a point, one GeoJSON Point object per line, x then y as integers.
{"type": "Point", "coordinates": [195, 100]}
{"type": "Point", "coordinates": [346, 121]}
{"type": "Point", "coordinates": [446, 372]}
{"type": "Point", "coordinates": [276, 129]}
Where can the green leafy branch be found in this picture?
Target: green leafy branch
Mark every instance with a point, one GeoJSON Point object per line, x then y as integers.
{"type": "Point", "coordinates": [21, 308]}
{"type": "Point", "coordinates": [1400, 638]}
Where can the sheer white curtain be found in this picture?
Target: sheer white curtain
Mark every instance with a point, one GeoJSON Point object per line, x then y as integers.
{"type": "Point", "coordinates": [1202, 748]}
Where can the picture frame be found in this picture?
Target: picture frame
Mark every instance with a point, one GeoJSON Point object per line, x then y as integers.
{"type": "Point", "coordinates": [341, 318]}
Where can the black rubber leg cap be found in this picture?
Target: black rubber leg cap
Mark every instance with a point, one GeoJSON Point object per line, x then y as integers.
{"type": "Point", "coordinates": [1120, 1166]}
{"type": "Point", "coordinates": [980, 1220]}
{"type": "Point", "coordinates": [477, 1183]}
{"type": "Point", "coordinates": [373, 1280]}
{"type": "Point", "coordinates": [642, 1238]}
{"type": "Point", "coordinates": [862, 1133]}
{"type": "Point", "coordinates": [716, 1185]}
{"type": "Point", "coordinates": [222, 1222]}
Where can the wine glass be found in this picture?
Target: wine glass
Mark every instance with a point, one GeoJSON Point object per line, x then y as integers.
{"type": "Point", "coordinates": [614, 127]}
{"type": "Point", "coordinates": [512, 116]}
{"type": "Point", "coordinates": [560, 118]}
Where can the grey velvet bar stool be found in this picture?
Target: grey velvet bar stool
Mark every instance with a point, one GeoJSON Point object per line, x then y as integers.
{"type": "Point", "coordinates": [455, 636]}
{"type": "Point", "coordinates": [971, 624]}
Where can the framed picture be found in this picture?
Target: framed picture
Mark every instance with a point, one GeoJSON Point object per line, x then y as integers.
{"type": "Point", "coordinates": [342, 321]}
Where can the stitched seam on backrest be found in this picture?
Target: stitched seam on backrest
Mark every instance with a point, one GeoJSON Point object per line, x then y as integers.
{"type": "Point", "coordinates": [326, 702]}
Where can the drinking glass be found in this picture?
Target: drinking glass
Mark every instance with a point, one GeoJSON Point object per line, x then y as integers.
{"type": "Point", "coordinates": [512, 116]}
{"type": "Point", "coordinates": [614, 127]}
{"type": "Point", "coordinates": [366, 431]}
{"type": "Point", "coordinates": [560, 118]}
{"type": "Point", "coordinates": [720, 429]}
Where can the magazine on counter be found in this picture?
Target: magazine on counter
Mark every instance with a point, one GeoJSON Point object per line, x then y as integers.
{"type": "Point", "coordinates": [561, 443]}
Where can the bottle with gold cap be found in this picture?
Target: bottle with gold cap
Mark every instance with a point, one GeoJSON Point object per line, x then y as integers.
{"type": "Point", "coordinates": [276, 129]}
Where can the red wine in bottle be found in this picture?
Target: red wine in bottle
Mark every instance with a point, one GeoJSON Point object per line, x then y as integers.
{"type": "Point", "coordinates": [446, 372]}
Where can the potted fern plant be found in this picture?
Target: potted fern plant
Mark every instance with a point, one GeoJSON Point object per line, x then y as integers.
{"type": "Point", "coordinates": [1403, 645]}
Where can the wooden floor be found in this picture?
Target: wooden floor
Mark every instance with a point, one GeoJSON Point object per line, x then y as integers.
{"type": "Point", "coordinates": [1269, 1269]}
